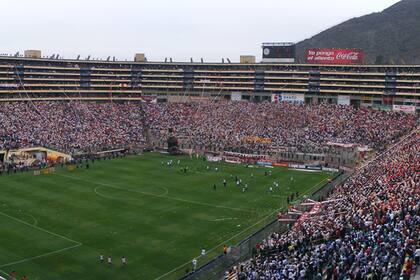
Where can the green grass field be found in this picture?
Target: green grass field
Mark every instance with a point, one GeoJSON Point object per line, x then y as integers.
{"type": "Point", "coordinates": [55, 226]}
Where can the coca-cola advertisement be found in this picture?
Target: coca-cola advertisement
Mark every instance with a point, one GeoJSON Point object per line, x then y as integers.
{"type": "Point", "coordinates": [335, 56]}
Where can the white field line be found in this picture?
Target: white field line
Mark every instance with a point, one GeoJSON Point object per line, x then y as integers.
{"type": "Point", "coordinates": [41, 229]}
{"type": "Point", "coordinates": [226, 241]}
{"type": "Point", "coordinates": [164, 195]}
{"type": "Point", "coordinates": [26, 214]}
{"type": "Point", "coordinates": [77, 244]}
{"type": "Point", "coordinates": [41, 256]}
{"type": "Point", "coordinates": [223, 219]}
{"type": "Point", "coordinates": [4, 273]}
{"type": "Point", "coordinates": [32, 217]}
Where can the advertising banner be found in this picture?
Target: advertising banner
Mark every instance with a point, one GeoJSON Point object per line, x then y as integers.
{"type": "Point", "coordinates": [235, 96]}
{"type": "Point", "coordinates": [292, 97]}
{"type": "Point", "coordinates": [264, 163]}
{"type": "Point", "coordinates": [214, 158]}
{"type": "Point", "coordinates": [149, 99]}
{"type": "Point", "coordinates": [288, 97]}
{"type": "Point", "coordinates": [275, 98]}
{"type": "Point", "coordinates": [334, 56]}
{"type": "Point", "coordinates": [404, 108]}
{"type": "Point", "coordinates": [343, 100]}
{"type": "Point", "coordinates": [330, 169]}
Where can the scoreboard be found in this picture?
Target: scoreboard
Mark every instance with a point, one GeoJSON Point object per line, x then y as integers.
{"type": "Point", "coordinates": [278, 52]}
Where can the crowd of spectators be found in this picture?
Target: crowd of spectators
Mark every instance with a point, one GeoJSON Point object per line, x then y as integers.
{"type": "Point", "coordinates": [368, 228]}
{"type": "Point", "coordinates": [250, 127]}
{"type": "Point", "coordinates": [236, 126]}
{"type": "Point", "coordinates": [71, 127]}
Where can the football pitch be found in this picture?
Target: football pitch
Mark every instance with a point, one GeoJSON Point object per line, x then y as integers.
{"type": "Point", "coordinates": [55, 226]}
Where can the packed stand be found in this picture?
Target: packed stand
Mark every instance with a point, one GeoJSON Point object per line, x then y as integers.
{"type": "Point", "coordinates": [236, 126]}
{"type": "Point", "coordinates": [368, 228]}
{"type": "Point", "coordinates": [250, 127]}
{"type": "Point", "coordinates": [71, 127]}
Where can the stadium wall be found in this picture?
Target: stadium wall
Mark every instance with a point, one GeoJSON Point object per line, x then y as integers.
{"type": "Point", "coordinates": [333, 158]}
{"type": "Point", "coordinates": [380, 86]}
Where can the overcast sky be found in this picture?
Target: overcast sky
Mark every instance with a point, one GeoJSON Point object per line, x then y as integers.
{"type": "Point", "coordinates": [180, 29]}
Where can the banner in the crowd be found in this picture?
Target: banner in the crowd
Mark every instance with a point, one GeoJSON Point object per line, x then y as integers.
{"type": "Point", "coordinates": [404, 108]}
{"type": "Point", "coordinates": [314, 167]}
{"type": "Point", "coordinates": [281, 164]}
{"type": "Point", "coordinates": [383, 107]}
{"type": "Point", "coordinates": [149, 99]}
{"type": "Point", "coordinates": [213, 158]}
{"type": "Point", "coordinates": [233, 161]}
{"type": "Point", "coordinates": [264, 163]}
{"type": "Point", "coordinates": [226, 153]}
{"type": "Point", "coordinates": [256, 139]}
{"type": "Point", "coordinates": [275, 98]}
{"type": "Point", "coordinates": [291, 97]}
{"type": "Point", "coordinates": [342, 145]}
{"type": "Point", "coordinates": [235, 96]}
{"type": "Point", "coordinates": [414, 101]}
{"type": "Point", "coordinates": [334, 56]}
{"type": "Point", "coordinates": [327, 169]}
{"type": "Point", "coordinates": [303, 166]}
{"type": "Point", "coordinates": [71, 167]}
{"type": "Point", "coordinates": [297, 166]}
{"type": "Point", "coordinates": [232, 156]}
{"type": "Point", "coordinates": [364, 149]}
{"type": "Point", "coordinates": [343, 100]}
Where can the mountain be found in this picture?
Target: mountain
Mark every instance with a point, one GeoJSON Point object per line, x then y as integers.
{"type": "Point", "coordinates": [391, 36]}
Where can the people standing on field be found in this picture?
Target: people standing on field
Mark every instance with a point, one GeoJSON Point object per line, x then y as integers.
{"type": "Point", "coordinates": [194, 264]}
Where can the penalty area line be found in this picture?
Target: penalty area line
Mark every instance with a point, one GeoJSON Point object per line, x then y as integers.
{"type": "Point", "coordinates": [40, 229]}
{"type": "Point", "coordinates": [41, 256]}
{"type": "Point", "coordinates": [77, 244]}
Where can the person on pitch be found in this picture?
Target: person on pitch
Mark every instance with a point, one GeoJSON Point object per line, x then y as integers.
{"type": "Point", "coordinates": [194, 264]}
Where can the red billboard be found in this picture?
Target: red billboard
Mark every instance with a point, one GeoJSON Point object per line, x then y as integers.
{"type": "Point", "coordinates": [334, 56]}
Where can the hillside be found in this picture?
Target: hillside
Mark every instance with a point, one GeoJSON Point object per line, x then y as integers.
{"type": "Point", "coordinates": [391, 36]}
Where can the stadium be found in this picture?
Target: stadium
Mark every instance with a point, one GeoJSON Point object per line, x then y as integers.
{"type": "Point", "coordinates": [271, 169]}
